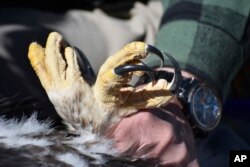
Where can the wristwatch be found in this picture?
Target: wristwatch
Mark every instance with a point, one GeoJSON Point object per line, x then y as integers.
{"type": "Point", "coordinates": [202, 104]}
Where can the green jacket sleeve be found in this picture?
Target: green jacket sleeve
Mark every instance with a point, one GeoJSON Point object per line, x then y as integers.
{"type": "Point", "coordinates": [206, 38]}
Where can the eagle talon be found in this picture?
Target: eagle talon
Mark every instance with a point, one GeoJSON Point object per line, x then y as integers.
{"type": "Point", "coordinates": [157, 52]}
{"type": "Point", "coordinates": [176, 81]}
{"type": "Point", "coordinates": [177, 78]}
{"type": "Point", "coordinates": [123, 69]}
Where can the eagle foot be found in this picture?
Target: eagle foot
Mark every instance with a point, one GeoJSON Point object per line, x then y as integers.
{"type": "Point", "coordinates": [111, 97]}
{"type": "Point", "coordinates": [57, 68]}
{"type": "Point", "coordinates": [112, 87]}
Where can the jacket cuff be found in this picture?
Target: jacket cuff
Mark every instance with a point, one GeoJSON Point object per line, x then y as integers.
{"type": "Point", "coordinates": [205, 40]}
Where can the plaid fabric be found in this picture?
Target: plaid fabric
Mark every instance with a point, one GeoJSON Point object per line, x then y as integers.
{"type": "Point", "coordinates": [207, 38]}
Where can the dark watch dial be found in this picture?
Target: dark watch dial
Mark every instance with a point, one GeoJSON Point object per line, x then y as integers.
{"type": "Point", "coordinates": [205, 108]}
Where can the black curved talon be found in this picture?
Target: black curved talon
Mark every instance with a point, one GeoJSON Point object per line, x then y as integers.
{"type": "Point", "coordinates": [177, 77]}
{"type": "Point", "coordinates": [121, 70]}
{"type": "Point", "coordinates": [157, 52]}
{"type": "Point", "coordinates": [85, 67]}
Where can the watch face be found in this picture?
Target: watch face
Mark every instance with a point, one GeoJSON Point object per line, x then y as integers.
{"type": "Point", "coordinates": [205, 108]}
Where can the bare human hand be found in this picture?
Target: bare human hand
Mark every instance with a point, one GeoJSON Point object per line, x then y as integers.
{"type": "Point", "coordinates": [162, 134]}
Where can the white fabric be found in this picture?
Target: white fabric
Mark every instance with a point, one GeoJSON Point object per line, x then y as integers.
{"type": "Point", "coordinates": [95, 33]}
